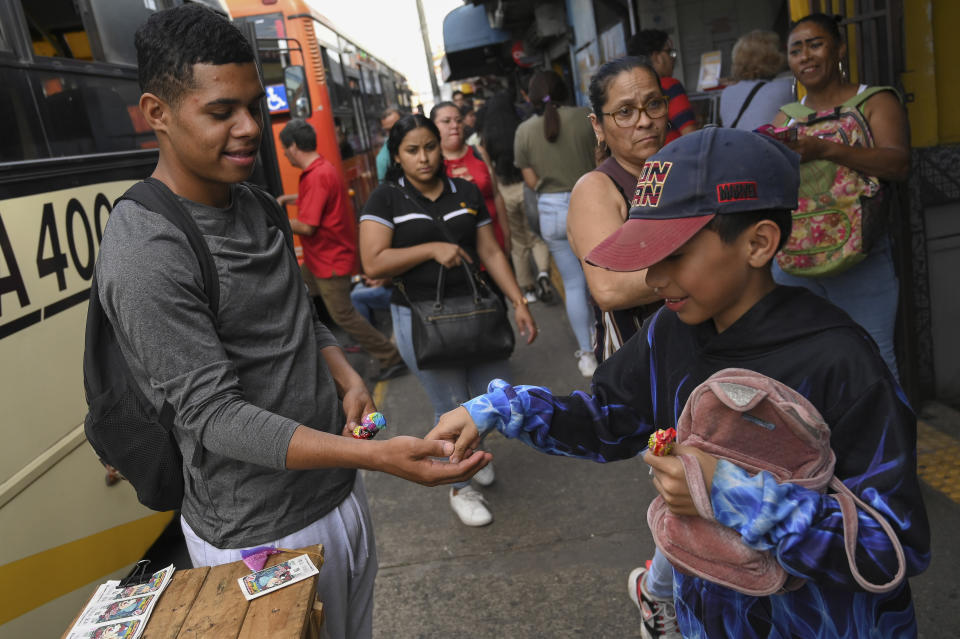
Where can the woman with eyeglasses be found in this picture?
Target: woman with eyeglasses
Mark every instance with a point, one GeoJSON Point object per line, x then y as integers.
{"type": "Point", "coordinates": [630, 122]}
{"type": "Point", "coordinates": [655, 45]}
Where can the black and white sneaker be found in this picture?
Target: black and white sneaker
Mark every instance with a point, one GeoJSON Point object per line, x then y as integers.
{"type": "Point", "coordinates": [658, 613]}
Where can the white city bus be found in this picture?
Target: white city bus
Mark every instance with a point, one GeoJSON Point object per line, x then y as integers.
{"type": "Point", "coordinates": [71, 141]}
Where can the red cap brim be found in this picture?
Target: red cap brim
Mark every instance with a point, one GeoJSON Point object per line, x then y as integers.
{"type": "Point", "coordinates": [641, 243]}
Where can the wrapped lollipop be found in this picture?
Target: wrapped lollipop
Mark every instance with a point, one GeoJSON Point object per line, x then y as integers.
{"type": "Point", "coordinates": [369, 426]}
{"type": "Point", "coordinates": [661, 442]}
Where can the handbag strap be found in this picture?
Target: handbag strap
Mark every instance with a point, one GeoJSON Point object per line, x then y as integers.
{"type": "Point", "coordinates": [472, 271]}
{"type": "Point", "coordinates": [747, 102]}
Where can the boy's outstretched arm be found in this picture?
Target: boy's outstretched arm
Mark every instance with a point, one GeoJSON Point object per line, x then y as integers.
{"type": "Point", "coordinates": [612, 423]}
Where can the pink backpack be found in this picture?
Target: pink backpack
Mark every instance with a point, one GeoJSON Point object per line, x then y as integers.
{"type": "Point", "coordinates": [758, 424]}
{"type": "Point", "coordinates": [841, 212]}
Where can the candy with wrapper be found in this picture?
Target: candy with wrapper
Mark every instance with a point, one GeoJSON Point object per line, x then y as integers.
{"type": "Point", "coordinates": [661, 442]}
{"type": "Point", "coordinates": [370, 426]}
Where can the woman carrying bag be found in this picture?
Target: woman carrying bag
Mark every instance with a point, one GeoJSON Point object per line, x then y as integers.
{"type": "Point", "coordinates": [431, 233]}
{"type": "Point", "coordinates": [867, 291]}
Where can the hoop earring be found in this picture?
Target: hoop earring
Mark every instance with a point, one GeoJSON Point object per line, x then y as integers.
{"type": "Point", "coordinates": [843, 72]}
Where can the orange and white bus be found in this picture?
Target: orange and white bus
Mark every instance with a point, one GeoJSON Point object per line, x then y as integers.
{"type": "Point", "coordinates": [313, 71]}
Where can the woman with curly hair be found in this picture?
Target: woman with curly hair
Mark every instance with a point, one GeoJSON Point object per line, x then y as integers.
{"type": "Point", "coordinates": [763, 82]}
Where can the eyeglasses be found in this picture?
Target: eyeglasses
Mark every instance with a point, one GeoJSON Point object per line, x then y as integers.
{"type": "Point", "coordinates": [629, 115]}
{"type": "Point", "coordinates": [672, 53]}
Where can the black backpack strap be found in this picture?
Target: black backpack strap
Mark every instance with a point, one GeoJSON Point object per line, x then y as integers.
{"type": "Point", "coordinates": [747, 102]}
{"type": "Point", "coordinates": [154, 195]}
{"type": "Point", "coordinates": [275, 214]}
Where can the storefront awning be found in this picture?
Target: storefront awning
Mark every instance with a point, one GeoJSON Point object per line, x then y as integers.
{"type": "Point", "coordinates": [472, 47]}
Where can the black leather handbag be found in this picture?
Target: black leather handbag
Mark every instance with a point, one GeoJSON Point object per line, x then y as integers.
{"type": "Point", "coordinates": [461, 330]}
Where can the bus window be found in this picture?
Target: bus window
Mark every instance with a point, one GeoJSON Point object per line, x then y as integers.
{"type": "Point", "coordinates": [20, 134]}
{"type": "Point", "coordinates": [90, 114]}
{"type": "Point", "coordinates": [56, 30]}
{"type": "Point", "coordinates": [295, 81]}
{"type": "Point", "coordinates": [113, 24]}
{"type": "Point", "coordinates": [4, 47]}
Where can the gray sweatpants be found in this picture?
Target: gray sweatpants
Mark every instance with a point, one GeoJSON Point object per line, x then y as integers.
{"type": "Point", "coordinates": [350, 562]}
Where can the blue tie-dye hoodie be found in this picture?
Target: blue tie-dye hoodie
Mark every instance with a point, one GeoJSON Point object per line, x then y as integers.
{"type": "Point", "coordinates": [803, 341]}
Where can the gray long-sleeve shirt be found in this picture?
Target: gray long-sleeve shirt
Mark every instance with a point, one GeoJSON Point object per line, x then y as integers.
{"type": "Point", "coordinates": [240, 382]}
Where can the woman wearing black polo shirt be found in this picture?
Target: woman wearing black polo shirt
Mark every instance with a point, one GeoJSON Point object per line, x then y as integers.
{"type": "Point", "coordinates": [399, 239]}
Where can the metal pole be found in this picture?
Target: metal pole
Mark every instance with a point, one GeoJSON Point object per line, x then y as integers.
{"type": "Point", "coordinates": [428, 52]}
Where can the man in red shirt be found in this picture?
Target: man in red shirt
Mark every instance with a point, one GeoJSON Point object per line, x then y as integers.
{"type": "Point", "coordinates": [328, 234]}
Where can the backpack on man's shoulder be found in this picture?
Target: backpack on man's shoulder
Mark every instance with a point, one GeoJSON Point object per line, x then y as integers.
{"type": "Point", "coordinates": [759, 424]}
{"type": "Point", "coordinates": [841, 212]}
{"type": "Point", "coordinates": [123, 427]}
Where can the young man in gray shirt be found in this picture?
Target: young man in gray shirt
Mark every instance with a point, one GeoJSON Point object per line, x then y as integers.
{"type": "Point", "coordinates": [262, 391]}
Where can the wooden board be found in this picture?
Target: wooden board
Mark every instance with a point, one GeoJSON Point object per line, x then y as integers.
{"type": "Point", "coordinates": [171, 610]}
{"type": "Point", "coordinates": [207, 602]}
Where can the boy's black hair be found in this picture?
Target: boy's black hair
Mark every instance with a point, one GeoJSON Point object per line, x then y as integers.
{"type": "Point", "coordinates": [729, 226]}
{"type": "Point", "coordinates": [300, 133]}
{"type": "Point", "coordinates": [173, 40]}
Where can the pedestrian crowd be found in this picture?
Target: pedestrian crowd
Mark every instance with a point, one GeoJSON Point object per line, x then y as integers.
{"type": "Point", "coordinates": [678, 253]}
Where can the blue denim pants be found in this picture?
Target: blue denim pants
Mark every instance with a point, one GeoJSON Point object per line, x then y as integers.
{"type": "Point", "coordinates": [367, 299]}
{"type": "Point", "coordinates": [868, 293]}
{"type": "Point", "coordinates": [447, 388]}
{"type": "Point", "coordinates": [553, 229]}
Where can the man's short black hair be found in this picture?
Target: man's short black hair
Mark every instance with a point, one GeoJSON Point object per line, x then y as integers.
{"type": "Point", "coordinates": [647, 42]}
{"type": "Point", "coordinates": [173, 40]}
{"type": "Point", "coordinates": [730, 225]}
{"type": "Point", "coordinates": [300, 133]}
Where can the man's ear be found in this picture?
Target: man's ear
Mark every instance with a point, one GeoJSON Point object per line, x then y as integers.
{"type": "Point", "coordinates": [763, 240]}
{"type": "Point", "coordinates": [156, 111]}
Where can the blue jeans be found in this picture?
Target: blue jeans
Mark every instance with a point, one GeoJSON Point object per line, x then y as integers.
{"type": "Point", "coordinates": [868, 293]}
{"type": "Point", "coordinates": [553, 229]}
{"type": "Point", "coordinates": [367, 299]}
{"type": "Point", "coordinates": [447, 388]}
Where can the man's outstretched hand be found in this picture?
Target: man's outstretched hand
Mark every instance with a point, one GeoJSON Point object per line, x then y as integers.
{"type": "Point", "coordinates": [457, 428]}
{"type": "Point", "coordinates": [421, 461]}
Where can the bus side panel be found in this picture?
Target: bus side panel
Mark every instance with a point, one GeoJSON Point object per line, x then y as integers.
{"type": "Point", "coordinates": [52, 240]}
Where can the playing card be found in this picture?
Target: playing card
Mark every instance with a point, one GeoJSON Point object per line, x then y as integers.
{"type": "Point", "coordinates": [283, 574]}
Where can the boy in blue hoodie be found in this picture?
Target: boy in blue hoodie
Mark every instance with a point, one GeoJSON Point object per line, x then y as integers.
{"type": "Point", "coordinates": [710, 213]}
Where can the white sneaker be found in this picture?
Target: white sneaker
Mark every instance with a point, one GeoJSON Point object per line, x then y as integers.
{"type": "Point", "coordinates": [485, 475]}
{"type": "Point", "coordinates": [470, 506]}
{"type": "Point", "coordinates": [586, 362]}
{"type": "Point", "coordinates": [531, 297]}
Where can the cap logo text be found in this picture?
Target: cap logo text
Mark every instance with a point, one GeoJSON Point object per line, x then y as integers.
{"type": "Point", "coordinates": [653, 176]}
{"type": "Point", "coordinates": [736, 191]}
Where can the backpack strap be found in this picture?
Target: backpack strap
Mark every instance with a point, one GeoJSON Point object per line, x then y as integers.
{"type": "Point", "coordinates": [868, 93]}
{"type": "Point", "coordinates": [154, 195]}
{"type": "Point", "coordinates": [275, 214]}
{"type": "Point", "coordinates": [849, 503]}
{"type": "Point", "coordinates": [747, 102]}
{"type": "Point", "coordinates": [797, 110]}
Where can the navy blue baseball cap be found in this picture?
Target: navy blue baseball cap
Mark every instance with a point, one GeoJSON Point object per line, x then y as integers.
{"type": "Point", "coordinates": [714, 171]}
